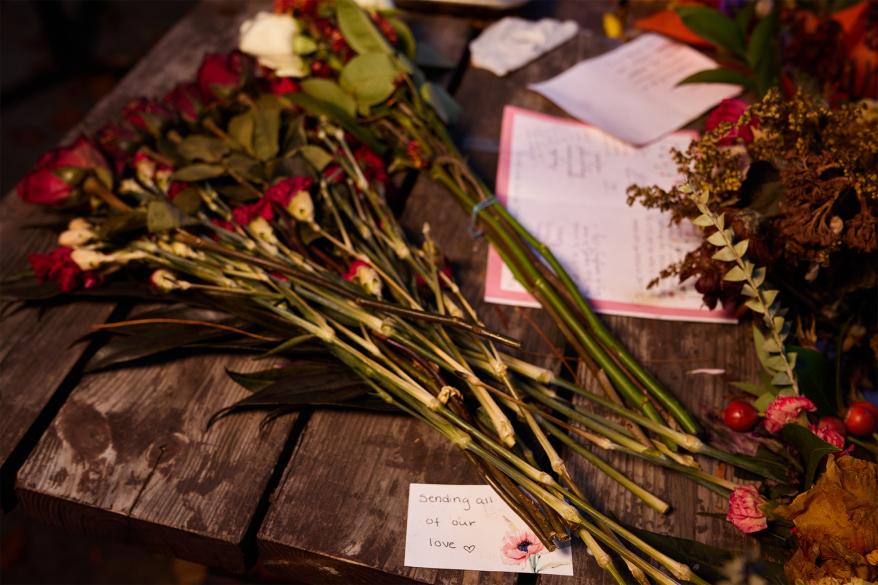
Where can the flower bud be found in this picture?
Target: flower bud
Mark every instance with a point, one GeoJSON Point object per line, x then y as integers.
{"type": "Point", "coordinates": [367, 277]}
{"type": "Point", "coordinates": [75, 238]}
{"type": "Point", "coordinates": [301, 207]}
{"type": "Point", "coordinates": [166, 281]}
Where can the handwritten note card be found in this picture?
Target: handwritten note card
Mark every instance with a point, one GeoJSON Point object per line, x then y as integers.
{"type": "Point", "coordinates": [632, 92]}
{"type": "Point", "coordinates": [566, 182]}
{"type": "Point", "coordinates": [471, 527]}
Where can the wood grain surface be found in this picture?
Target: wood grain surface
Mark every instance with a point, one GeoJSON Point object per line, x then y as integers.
{"type": "Point", "coordinates": [128, 455]}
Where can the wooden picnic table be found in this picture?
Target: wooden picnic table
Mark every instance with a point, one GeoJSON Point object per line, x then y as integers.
{"type": "Point", "coordinates": [319, 496]}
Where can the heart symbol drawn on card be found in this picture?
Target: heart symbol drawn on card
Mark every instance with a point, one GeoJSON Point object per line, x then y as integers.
{"type": "Point", "coordinates": [469, 547]}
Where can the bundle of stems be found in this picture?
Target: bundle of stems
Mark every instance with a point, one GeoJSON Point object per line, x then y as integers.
{"type": "Point", "coordinates": [273, 210]}
{"type": "Point", "coordinates": [408, 122]}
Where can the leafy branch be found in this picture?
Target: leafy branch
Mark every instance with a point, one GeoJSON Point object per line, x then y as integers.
{"type": "Point", "coordinates": [760, 299]}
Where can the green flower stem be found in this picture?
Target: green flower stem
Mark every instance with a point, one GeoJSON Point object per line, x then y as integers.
{"type": "Point", "coordinates": [648, 498]}
{"type": "Point", "coordinates": [525, 271]}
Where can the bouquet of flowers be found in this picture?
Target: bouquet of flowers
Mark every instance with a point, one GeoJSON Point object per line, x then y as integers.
{"type": "Point", "coordinates": [256, 197]}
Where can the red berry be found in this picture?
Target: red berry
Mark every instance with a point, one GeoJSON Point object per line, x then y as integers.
{"type": "Point", "coordinates": [740, 415]}
{"type": "Point", "coordinates": [832, 422]}
{"type": "Point", "coordinates": [868, 406]}
{"type": "Point", "coordinates": [859, 420]}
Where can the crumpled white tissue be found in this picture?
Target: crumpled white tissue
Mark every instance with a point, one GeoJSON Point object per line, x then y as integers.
{"type": "Point", "coordinates": [513, 42]}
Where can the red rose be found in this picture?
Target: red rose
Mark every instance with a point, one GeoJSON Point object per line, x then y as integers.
{"type": "Point", "coordinates": [221, 75]}
{"type": "Point", "coordinates": [731, 110]}
{"type": "Point", "coordinates": [282, 85]}
{"type": "Point", "coordinates": [283, 191]}
{"type": "Point", "coordinates": [57, 265]}
{"type": "Point", "coordinates": [247, 213]}
{"type": "Point", "coordinates": [371, 164]}
{"type": "Point", "coordinates": [117, 141]}
{"type": "Point", "coordinates": [146, 115]}
{"type": "Point", "coordinates": [187, 100]}
{"type": "Point", "coordinates": [57, 175]}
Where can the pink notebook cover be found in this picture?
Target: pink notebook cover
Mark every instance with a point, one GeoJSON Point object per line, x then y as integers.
{"type": "Point", "coordinates": [494, 291]}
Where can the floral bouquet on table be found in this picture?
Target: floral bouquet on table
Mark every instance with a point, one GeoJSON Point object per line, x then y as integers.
{"type": "Point", "coordinates": [785, 190]}
{"type": "Point", "coordinates": [256, 198]}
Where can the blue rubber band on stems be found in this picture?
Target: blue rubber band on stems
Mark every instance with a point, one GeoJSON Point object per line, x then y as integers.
{"type": "Point", "coordinates": [474, 215]}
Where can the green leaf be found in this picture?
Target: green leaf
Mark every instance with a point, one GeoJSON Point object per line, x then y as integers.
{"type": "Point", "coordinates": [720, 75]}
{"type": "Point", "coordinates": [725, 255]}
{"type": "Point", "coordinates": [331, 93]}
{"type": "Point", "coordinates": [198, 172]}
{"type": "Point", "coordinates": [358, 30]}
{"type": "Point", "coordinates": [741, 247]}
{"type": "Point", "coordinates": [188, 200]}
{"type": "Point", "coordinates": [709, 561]}
{"type": "Point", "coordinates": [241, 129]}
{"type": "Point", "coordinates": [743, 17]}
{"type": "Point", "coordinates": [735, 274]}
{"type": "Point", "coordinates": [407, 41]}
{"type": "Point", "coordinates": [161, 216]}
{"type": "Point", "coordinates": [755, 305]}
{"type": "Point", "coordinates": [446, 107]}
{"type": "Point", "coordinates": [203, 148]}
{"type": "Point", "coordinates": [714, 26]}
{"type": "Point", "coordinates": [766, 398]}
{"type": "Point", "coordinates": [759, 46]}
{"type": "Point", "coordinates": [717, 238]}
{"type": "Point", "coordinates": [811, 449]}
{"type": "Point", "coordinates": [121, 225]}
{"type": "Point", "coordinates": [303, 45]}
{"type": "Point", "coordinates": [812, 373]}
{"type": "Point", "coordinates": [370, 78]}
{"type": "Point", "coordinates": [703, 221]}
{"type": "Point", "coordinates": [315, 155]}
{"type": "Point", "coordinates": [781, 379]}
{"type": "Point", "coordinates": [266, 127]}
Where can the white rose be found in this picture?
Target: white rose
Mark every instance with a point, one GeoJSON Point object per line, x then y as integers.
{"type": "Point", "coordinates": [270, 38]}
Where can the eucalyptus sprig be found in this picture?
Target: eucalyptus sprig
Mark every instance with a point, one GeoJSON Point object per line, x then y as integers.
{"type": "Point", "coordinates": [761, 299]}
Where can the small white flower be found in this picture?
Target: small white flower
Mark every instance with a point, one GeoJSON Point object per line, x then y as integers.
{"type": "Point", "coordinates": [301, 207]}
{"type": "Point", "coordinates": [271, 38]}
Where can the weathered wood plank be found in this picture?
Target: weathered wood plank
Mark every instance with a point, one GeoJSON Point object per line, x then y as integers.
{"type": "Point", "coordinates": [128, 454]}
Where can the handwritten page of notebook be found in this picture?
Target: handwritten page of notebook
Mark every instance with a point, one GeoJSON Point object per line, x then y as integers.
{"type": "Point", "coordinates": [632, 92]}
{"type": "Point", "coordinates": [566, 182]}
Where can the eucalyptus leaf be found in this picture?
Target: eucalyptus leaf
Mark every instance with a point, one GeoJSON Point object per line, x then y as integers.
{"type": "Point", "coordinates": [370, 78]}
{"type": "Point", "coordinates": [204, 148]}
{"type": "Point", "coordinates": [714, 26]}
{"type": "Point", "coordinates": [358, 30]}
{"type": "Point", "coordinates": [122, 224]}
{"type": "Point", "coordinates": [811, 448]}
{"type": "Point", "coordinates": [198, 172]}
{"type": "Point", "coordinates": [404, 34]}
{"type": "Point", "coordinates": [331, 93]}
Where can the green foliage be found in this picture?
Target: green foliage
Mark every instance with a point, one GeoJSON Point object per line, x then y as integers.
{"type": "Point", "coordinates": [358, 30]}
{"type": "Point", "coordinates": [198, 172]}
{"type": "Point", "coordinates": [370, 78]}
{"type": "Point", "coordinates": [811, 449]}
{"type": "Point", "coordinates": [199, 147]}
{"type": "Point", "coordinates": [331, 93]}
{"type": "Point", "coordinates": [754, 60]}
{"type": "Point", "coordinates": [446, 106]}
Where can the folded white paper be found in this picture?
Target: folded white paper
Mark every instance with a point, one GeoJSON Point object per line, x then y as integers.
{"type": "Point", "coordinates": [513, 42]}
{"type": "Point", "coordinates": [632, 92]}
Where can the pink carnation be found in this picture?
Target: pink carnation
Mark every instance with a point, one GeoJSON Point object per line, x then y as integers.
{"type": "Point", "coordinates": [784, 410]}
{"type": "Point", "coordinates": [744, 510]}
{"type": "Point", "coordinates": [520, 546]}
{"type": "Point", "coordinates": [828, 434]}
